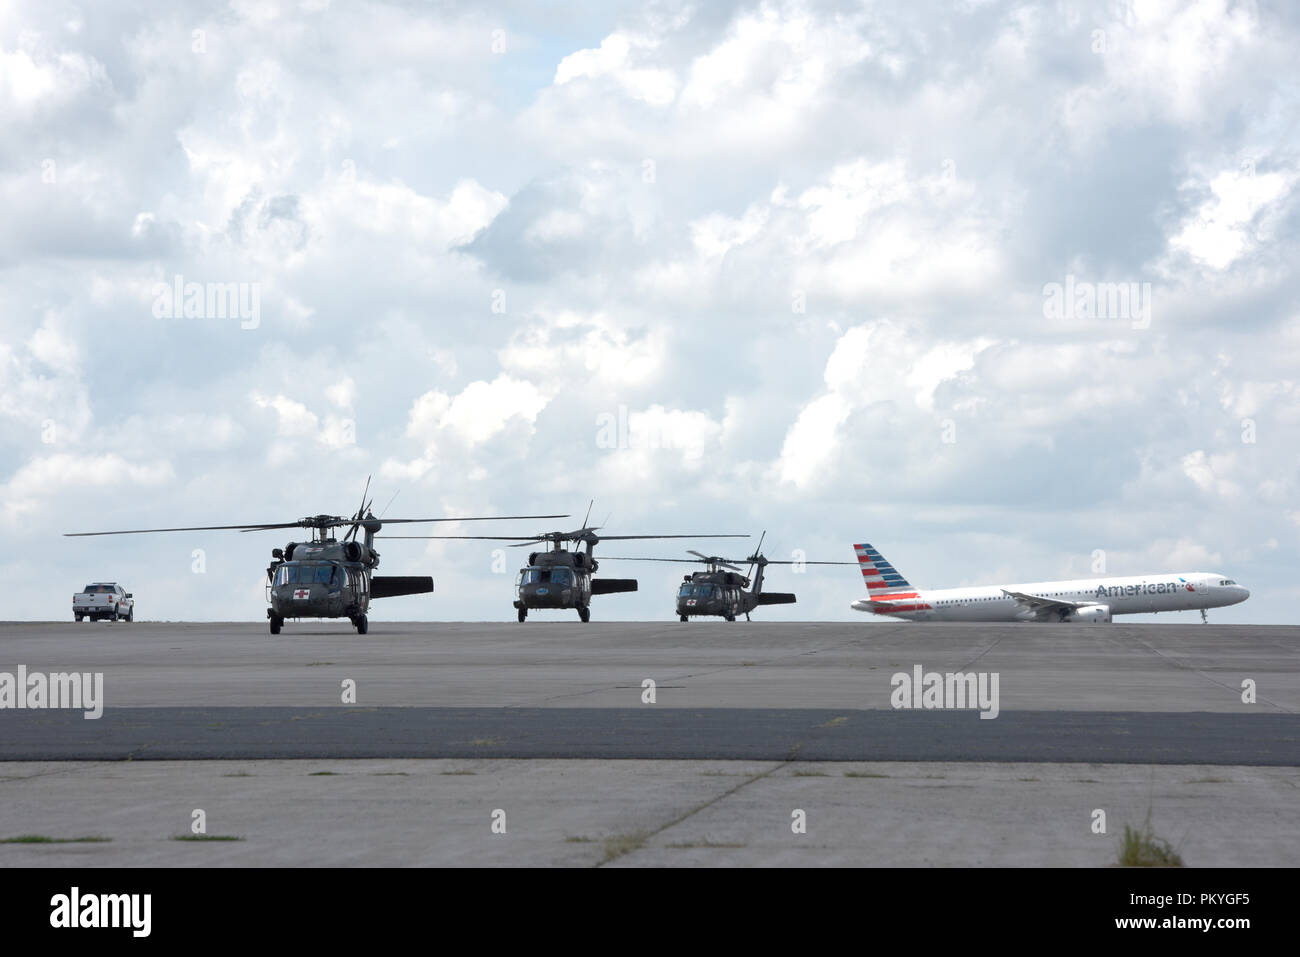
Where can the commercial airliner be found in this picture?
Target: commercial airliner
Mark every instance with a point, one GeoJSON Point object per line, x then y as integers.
{"type": "Point", "coordinates": [1090, 600]}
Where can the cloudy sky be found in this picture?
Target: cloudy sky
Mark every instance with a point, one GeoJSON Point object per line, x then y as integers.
{"type": "Point", "coordinates": [724, 267]}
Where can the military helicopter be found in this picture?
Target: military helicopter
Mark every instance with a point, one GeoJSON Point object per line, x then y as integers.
{"type": "Point", "coordinates": [720, 590]}
{"type": "Point", "coordinates": [326, 577]}
{"type": "Point", "coordinates": [560, 578]}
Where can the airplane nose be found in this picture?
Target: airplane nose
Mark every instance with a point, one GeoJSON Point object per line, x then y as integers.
{"type": "Point", "coordinates": [1245, 593]}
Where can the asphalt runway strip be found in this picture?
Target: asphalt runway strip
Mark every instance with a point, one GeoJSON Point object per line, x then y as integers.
{"type": "Point", "coordinates": [651, 732]}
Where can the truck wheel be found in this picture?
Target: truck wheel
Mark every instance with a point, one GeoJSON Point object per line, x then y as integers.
{"type": "Point", "coordinates": [130, 614]}
{"type": "Point", "coordinates": [523, 613]}
{"type": "Point", "coordinates": [276, 623]}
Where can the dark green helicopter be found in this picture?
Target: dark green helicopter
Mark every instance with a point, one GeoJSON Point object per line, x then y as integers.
{"type": "Point", "coordinates": [720, 591]}
{"type": "Point", "coordinates": [327, 577]}
{"type": "Point", "coordinates": [560, 578]}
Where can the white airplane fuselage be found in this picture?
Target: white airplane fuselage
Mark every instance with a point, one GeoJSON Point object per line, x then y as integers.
{"type": "Point", "coordinates": [1085, 600]}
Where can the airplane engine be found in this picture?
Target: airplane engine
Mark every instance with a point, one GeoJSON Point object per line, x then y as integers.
{"type": "Point", "coordinates": [1090, 615]}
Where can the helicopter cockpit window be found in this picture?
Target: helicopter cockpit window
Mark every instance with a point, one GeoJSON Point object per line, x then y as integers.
{"type": "Point", "coordinates": [530, 576]}
{"type": "Point", "coordinates": [561, 576]}
{"type": "Point", "coordinates": [319, 574]}
{"type": "Point", "coordinates": [701, 592]}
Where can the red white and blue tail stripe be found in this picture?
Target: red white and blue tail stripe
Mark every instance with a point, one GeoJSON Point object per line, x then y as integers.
{"type": "Point", "coordinates": [887, 590]}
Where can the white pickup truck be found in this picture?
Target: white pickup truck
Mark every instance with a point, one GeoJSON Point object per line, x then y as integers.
{"type": "Point", "coordinates": [103, 600]}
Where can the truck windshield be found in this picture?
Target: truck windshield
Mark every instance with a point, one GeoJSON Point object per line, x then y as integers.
{"type": "Point", "coordinates": [96, 589]}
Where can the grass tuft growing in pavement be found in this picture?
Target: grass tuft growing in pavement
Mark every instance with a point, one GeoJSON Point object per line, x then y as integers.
{"type": "Point", "coordinates": [42, 839]}
{"type": "Point", "coordinates": [620, 844]}
{"type": "Point", "coordinates": [1141, 848]}
{"type": "Point", "coordinates": [205, 837]}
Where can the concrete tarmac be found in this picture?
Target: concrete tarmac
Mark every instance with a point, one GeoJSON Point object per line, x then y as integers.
{"type": "Point", "coordinates": [541, 664]}
{"type": "Point", "coordinates": [811, 703]}
{"type": "Point", "coordinates": [403, 813]}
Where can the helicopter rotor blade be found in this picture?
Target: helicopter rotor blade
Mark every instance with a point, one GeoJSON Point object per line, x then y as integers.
{"type": "Point", "coordinates": [470, 518]}
{"type": "Point", "coordinates": [810, 563]}
{"type": "Point", "coordinates": [465, 538]}
{"type": "Point", "coordinates": [521, 541]}
{"type": "Point", "coordinates": [642, 558]}
{"type": "Point", "coordinates": [719, 562]}
{"type": "Point", "coordinates": [314, 521]}
{"type": "Point", "coordinates": [758, 553]}
{"type": "Point", "coordinates": [390, 504]}
{"type": "Point", "coordinates": [624, 538]}
{"type": "Point", "coordinates": [356, 524]}
{"type": "Point", "coordinates": [188, 528]}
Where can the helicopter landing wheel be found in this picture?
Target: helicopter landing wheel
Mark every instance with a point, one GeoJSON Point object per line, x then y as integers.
{"type": "Point", "coordinates": [683, 617]}
{"type": "Point", "coordinates": [276, 623]}
{"type": "Point", "coordinates": [730, 617]}
{"type": "Point", "coordinates": [362, 624]}
{"type": "Point", "coordinates": [523, 613]}
{"type": "Point", "coordinates": [584, 613]}
{"type": "Point", "coordinates": [79, 617]}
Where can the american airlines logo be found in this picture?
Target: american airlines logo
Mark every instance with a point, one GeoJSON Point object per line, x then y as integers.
{"type": "Point", "coordinates": [1146, 588]}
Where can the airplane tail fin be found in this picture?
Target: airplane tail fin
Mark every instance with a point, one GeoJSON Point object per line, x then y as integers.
{"type": "Point", "coordinates": [880, 577]}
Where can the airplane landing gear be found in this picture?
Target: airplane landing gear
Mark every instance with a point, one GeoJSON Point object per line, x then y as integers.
{"type": "Point", "coordinates": [1205, 619]}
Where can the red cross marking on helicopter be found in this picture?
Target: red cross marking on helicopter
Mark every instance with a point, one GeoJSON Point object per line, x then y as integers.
{"type": "Point", "coordinates": [301, 593]}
